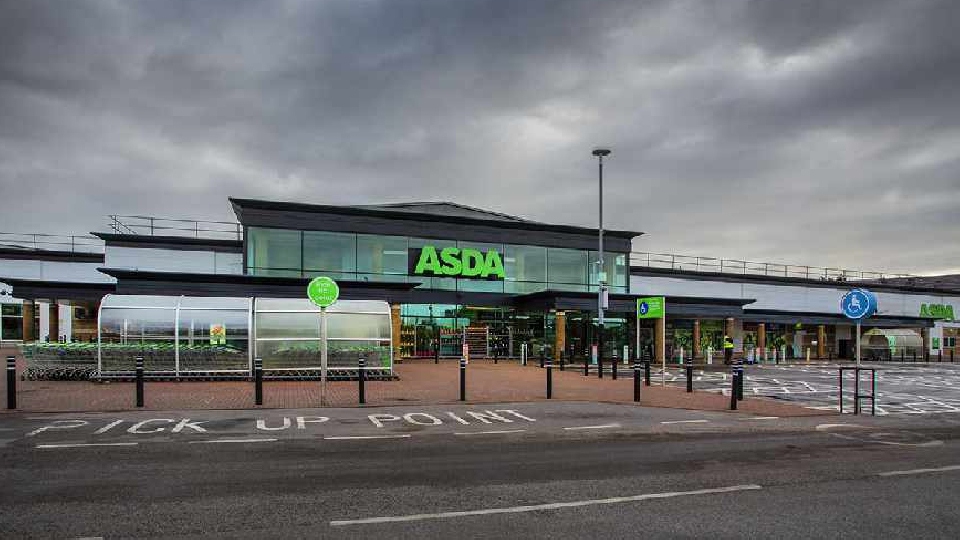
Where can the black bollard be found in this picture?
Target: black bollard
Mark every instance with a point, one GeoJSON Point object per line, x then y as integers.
{"type": "Point", "coordinates": [939, 356]}
{"type": "Point", "coordinates": [690, 376]}
{"type": "Point", "coordinates": [549, 366]}
{"type": "Point", "coordinates": [360, 377]}
{"type": "Point", "coordinates": [733, 391]}
{"type": "Point", "coordinates": [903, 353]}
{"type": "Point", "coordinates": [11, 382]}
{"type": "Point", "coordinates": [463, 379]}
{"type": "Point", "coordinates": [258, 380]}
{"type": "Point", "coordinates": [913, 353]}
{"type": "Point", "coordinates": [139, 381]}
{"type": "Point", "coordinates": [636, 381]}
{"type": "Point", "coordinates": [542, 358]}
{"type": "Point", "coordinates": [561, 360]}
{"type": "Point", "coordinates": [436, 351]}
{"type": "Point", "coordinates": [613, 365]}
{"type": "Point", "coordinates": [951, 356]}
{"type": "Point", "coordinates": [646, 373]}
{"type": "Point", "coordinates": [586, 366]}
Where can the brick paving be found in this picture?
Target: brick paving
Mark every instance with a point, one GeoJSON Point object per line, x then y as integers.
{"type": "Point", "coordinates": [420, 382]}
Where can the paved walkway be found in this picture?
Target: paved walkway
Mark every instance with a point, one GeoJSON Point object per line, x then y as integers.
{"type": "Point", "coordinates": [419, 383]}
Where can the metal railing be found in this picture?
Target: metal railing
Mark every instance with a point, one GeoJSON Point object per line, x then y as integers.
{"type": "Point", "coordinates": [155, 226]}
{"type": "Point", "coordinates": [691, 263]}
{"type": "Point", "coordinates": [51, 242]}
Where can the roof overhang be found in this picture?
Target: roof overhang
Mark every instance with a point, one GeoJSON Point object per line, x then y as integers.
{"type": "Point", "coordinates": [676, 306]}
{"type": "Point", "coordinates": [793, 317]}
{"type": "Point", "coordinates": [30, 289]}
{"type": "Point", "coordinates": [183, 243]}
{"type": "Point", "coordinates": [54, 256]}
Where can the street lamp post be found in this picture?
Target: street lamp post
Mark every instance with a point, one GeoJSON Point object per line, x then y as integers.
{"type": "Point", "coordinates": [601, 153]}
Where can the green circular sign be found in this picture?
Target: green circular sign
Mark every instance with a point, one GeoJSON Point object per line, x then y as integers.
{"type": "Point", "coordinates": [323, 291]}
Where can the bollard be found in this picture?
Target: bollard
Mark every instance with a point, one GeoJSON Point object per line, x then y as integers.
{"type": "Point", "coordinates": [360, 377]}
{"type": "Point", "coordinates": [139, 381]}
{"type": "Point", "coordinates": [436, 350]}
{"type": "Point", "coordinates": [913, 353]}
{"type": "Point", "coordinates": [549, 366]}
{"type": "Point", "coordinates": [903, 353]}
{"type": "Point", "coordinates": [690, 376]}
{"type": "Point", "coordinates": [561, 360]}
{"type": "Point", "coordinates": [542, 358]}
{"type": "Point", "coordinates": [258, 380]}
{"type": "Point", "coordinates": [940, 356]}
{"type": "Point", "coordinates": [463, 379]}
{"type": "Point", "coordinates": [613, 365]}
{"type": "Point", "coordinates": [733, 391]}
{"type": "Point", "coordinates": [586, 366]}
{"type": "Point", "coordinates": [11, 382]}
{"type": "Point", "coordinates": [646, 373]}
{"type": "Point", "coordinates": [636, 381]}
{"type": "Point", "coordinates": [951, 356]}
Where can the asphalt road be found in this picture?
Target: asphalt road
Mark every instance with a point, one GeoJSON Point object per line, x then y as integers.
{"type": "Point", "coordinates": [628, 473]}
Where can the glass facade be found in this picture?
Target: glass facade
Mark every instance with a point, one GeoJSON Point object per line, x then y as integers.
{"type": "Point", "coordinates": [364, 257]}
{"type": "Point", "coordinates": [11, 322]}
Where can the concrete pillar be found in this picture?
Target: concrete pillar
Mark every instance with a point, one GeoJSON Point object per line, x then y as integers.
{"type": "Point", "coordinates": [560, 334]}
{"type": "Point", "coordinates": [697, 353]}
{"type": "Point", "coordinates": [395, 329]}
{"type": "Point", "coordinates": [29, 328]}
{"type": "Point", "coordinates": [822, 341]}
{"type": "Point", "coordinates": [54, 324]}
{"type": "Point", "coordinates": [762, 337]}
{"type": "Point", "coordinates": [659, 339]}
{"type": "Point", "coordinates": [925, 337]}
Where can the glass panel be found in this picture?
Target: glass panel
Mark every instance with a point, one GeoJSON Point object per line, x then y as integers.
{"type": "Point", "coordinates": [129, 300]}
{"type": "Point", "coordinates": [359, 326]}
{"type": "Point", "coordinates": [345, 354]}
{"type": "Point", "coordinates": [12, 328]}
{"type": "Point", "coordinates": [289, 354]}
{"type": "Point", "coordinates": [288, 325]}
{"type": "Point", "coordinates": [127, 333]}
{"type": "Point", "coordinates": [525, 263]}
{"type": "Point", "coordinates": [567, 266]}
{"type": "Point", "coordinates": [614, 264]}
{"type": "Point", "coordinates": [214, 302]}
{"type": "Point", "coordinates": [360, 306]}
{"type": "Point", "coordinates": [329, 252]}
{"type": "Point", "coordinates": [273, 249]}
{"type": "Point", "coordinates": [480, 285]}
{"type": "Point", "coordinates": [382, 254]}
{"type": "Point", "coordinates": [517, 287]}
{"type": "Point", "coordinates": [449, 284]}
{"type": "Point", "coordinates": [287, 304]}
{"type": "Point", "coordinates": [15, 310]}
{"type": "Point", "coordinates": [213, 339]}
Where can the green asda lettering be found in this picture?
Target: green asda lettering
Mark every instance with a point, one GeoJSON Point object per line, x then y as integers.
{"type": "Point", "coordinates": [456, 262]}
{"type": "Point", "coordinates": [937, 311]}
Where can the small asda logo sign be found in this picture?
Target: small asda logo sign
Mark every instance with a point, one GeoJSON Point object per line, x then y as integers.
{"type": "Point", "coordinates": [455, 262]}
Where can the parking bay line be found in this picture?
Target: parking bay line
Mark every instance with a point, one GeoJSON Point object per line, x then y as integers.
{"type": "Point", "coordinates": [685, 422]}
{"type": "Point", "coordinates": [921, 471]}
{"type": "Point", "coordinates": [363, 437]}
{"type": "Point", "coordinates": [81, 445]}
{"type": "Point", "coordinates": [538, 507]}
{"type": "Point", "coordinates": [212, 441]}
{"type": "Point", "coordinates": [493, 432]}
{"type": "Point", "coordinates": [604, 426]}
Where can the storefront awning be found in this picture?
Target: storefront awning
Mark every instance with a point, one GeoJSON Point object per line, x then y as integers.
{"type": "Point", "coordinates": [793, 317]}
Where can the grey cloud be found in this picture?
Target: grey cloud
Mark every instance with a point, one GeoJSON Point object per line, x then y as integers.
{"type": "Point", "coordinates": [740, 128]}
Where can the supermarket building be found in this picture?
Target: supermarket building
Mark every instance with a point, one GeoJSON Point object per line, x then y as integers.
{"type": "Point", "coordinates": [459, 275]}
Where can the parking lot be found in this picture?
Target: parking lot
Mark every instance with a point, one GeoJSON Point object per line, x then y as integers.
{"type": "Point", "coordinates": [900, 389]}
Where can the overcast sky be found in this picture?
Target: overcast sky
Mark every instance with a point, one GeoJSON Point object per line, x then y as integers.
{"type": "Point", "coordinates": [822, 133]}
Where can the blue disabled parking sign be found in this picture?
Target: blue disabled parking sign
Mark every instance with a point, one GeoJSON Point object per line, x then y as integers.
{"type": "Point", "coordinates": [858, 304]}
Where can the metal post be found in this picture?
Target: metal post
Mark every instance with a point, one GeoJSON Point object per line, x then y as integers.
{"type": "Point", "coordinates": [586, 365]}
{"type": "Point", "coordinates": [139, 367]}
{"type": "Point", "coordinates": [323, 356]}
{"type": "Point", "coordinates": [258, 381]}
{"type": "Point", "coordinates": [549, 379]}
{"type": "Point", "coordinates": [733, 391]}
{"type": "Point", "coordinates": [841, 389]}
{"type": "Point", "coordinates": [690, 377]}
{"type": "Point", "coordinates": [11, 382]}
{"type": "Point", "coordinates": [858, 342]}
{"type": "Point", "coordinates": [646, 373]}
{"type": "Point", "coordinates": [873, 392]}
{"type": "Point", "coordinates": [360, 377]}
{"type": "Point", "coordinates": [856, 391]}
{"type": "Point", "coordinates": [542, 355]}
{"type": "Point", "coordinates": [613, 364]}
{"type": "Point", "coordinates": [951, 356]}
{"type": "Point", "coordinates": [600, 347]}
{"type": "Point", "coordinates": [463, 379]}
{"type": "Point", "coordinates": [436, 349]}
{"type": "Point", "coordinates": [561, 360]}
{"type": "Point", "coordinates": [903, 354]}
{"type": "Point", "coordinates": [636, 381]}
{"type": "Point", "coordinates": [739, 383]}
{"type": "Point", "coordinates": [939, 355]}
{"type": "Point", "coordinates": [913, 354]}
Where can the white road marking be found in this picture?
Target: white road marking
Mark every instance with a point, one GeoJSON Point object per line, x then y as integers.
{"type": "Point", "coordinates": [921, 471]}
{"type": "Point", "coordinates": [685, 422]}
{"type": "Point", "coordinates": [538, 507]}
{"type": "Point", "coordinates": [79, 445]}
{"type": "Point", "coordinates": [763, 418]}
{"type": "Point", "coordinates": [822, 427]}
{"type": "Point", "coordinates": [360, 437]}
{"type": "Point", "coordinates": [604, 426]}
{"type": "Point", "coordinates": [490, 432]}
{"type": "Point", "coordinates": [211, 441]}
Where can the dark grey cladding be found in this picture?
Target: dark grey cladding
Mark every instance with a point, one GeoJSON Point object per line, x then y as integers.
{"type": "Point", "coordinates": [473, 226]}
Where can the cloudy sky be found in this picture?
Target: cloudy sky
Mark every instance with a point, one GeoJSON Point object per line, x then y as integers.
{"type": "Point", "coordinates": [812, 132]}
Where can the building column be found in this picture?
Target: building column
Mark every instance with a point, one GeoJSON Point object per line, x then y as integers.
{"type": "Point", "coordinates": [762, 338]}
{"type": "Point", "coordinates": [560, 334]}
{"type": "Point", "coordinates": [697, 353]}
{"type": "Point", "coordinates": [659, 339]}
{"type": "Point", "coordinates": [53, 334]}
{"type": "Point", "coordinates": [395, 330]}
{"type": "Point", "coordinates": [821, 341]}
{"type": "Point", "coordinates": [925, 339]}
{"type": "Point", "coordinates": [29, 328]}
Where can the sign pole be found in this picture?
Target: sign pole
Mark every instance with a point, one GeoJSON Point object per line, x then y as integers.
{"type": "Point", "coordinates": [858, 343]}
{"type": "Point", "coordinates": [323, 356]}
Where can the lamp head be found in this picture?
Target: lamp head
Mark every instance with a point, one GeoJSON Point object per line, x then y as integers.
{"type": "Point", "coordinates": [601, 152]}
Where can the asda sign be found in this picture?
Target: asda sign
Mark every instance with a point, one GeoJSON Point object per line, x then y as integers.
{"type": "Point", "coordinates": [937, 311]}
{"type": "Point", "coordinates": [455, 262]}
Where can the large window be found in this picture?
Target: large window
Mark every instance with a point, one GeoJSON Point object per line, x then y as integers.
{"type": "Point", "coordinates": [11, 322]}
{"type": "Point", "coordinates": [367, 257]}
